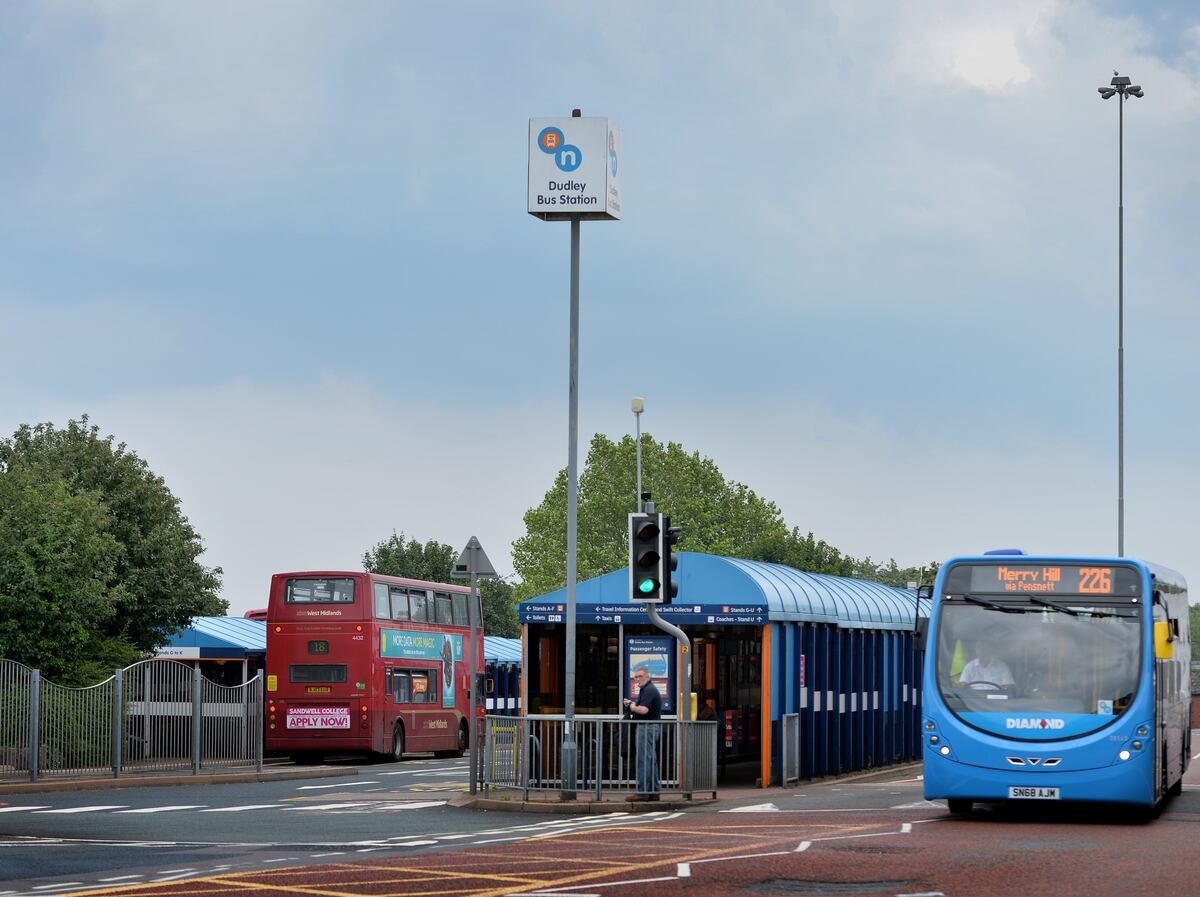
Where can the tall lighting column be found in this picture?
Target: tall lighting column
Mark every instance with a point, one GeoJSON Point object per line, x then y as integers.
{"type": "Point", "coordinates": [638, 405]}
{"type": "Point", "coordinates": [1120, 86]}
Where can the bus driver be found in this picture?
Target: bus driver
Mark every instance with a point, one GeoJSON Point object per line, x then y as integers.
{"type": "Point", "coordinates": [986, 668]}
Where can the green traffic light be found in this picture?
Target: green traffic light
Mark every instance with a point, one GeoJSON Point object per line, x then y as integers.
{"type": "Point", "coordinates": [646, 586]}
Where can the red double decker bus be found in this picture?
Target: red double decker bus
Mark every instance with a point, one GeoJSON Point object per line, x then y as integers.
{"type": "Point", "coordinates": [359, 663]}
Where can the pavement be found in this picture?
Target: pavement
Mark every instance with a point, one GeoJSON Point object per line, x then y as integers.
{"type": "Point", "coordinates": [509, 800]}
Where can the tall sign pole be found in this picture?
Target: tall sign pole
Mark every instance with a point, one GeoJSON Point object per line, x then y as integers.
{"type": "Point", "coordinates": [574, 174]}
{"type": "Point", "coordinates": [472, 564]}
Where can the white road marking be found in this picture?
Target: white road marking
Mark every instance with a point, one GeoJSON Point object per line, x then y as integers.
{"type": "Point", "coordinates": [61, 886]}
{"type": "Point", "coordinates": [357, 803]}
{"type": "Point", "coordinates": [338, 785]}
{"type": "Point", "coordinates": [173, 871]}
{"type": "Point", "coordinates": [414, 843]}
{"type": "Point", "coordinates": [96, 809]}
{"type": "Point", "coordinates": [244, 807]}
{"type": "Point", "coordinates": [804, 845]}
{"type": "Point", "coordinates": [754, 808]}
{"type": "Point", "coordinates": [120, 878]}
{"type": "Point", "coordinates": [333, 853]}
{"type": "Point", "coordinates": [164, 809]}
{"type": "Point", "coordinates": [683, 870]}
{"type": "Point", "coordinates": [18, 809]}
{"type": "Point", "coordinates": [164, 878]}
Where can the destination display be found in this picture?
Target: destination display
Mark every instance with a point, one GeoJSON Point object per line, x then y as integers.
{"type": "Point", "coordinates": [1044, 579]}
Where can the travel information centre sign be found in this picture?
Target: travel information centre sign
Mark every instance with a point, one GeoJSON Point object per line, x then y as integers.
{"type": "Point", "coordinates": [575, 169]}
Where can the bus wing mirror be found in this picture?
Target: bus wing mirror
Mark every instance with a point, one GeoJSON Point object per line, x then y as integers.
{"type": "Point", "coordinates": [925, 591]}
{"type": "Point", "coordinates": [921, 634]}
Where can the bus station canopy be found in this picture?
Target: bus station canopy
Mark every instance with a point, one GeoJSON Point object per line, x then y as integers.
{"type": "Point", "coordinates": [730, 591]}
{"type": "Point", "coordinates": [501, 650]}
{"type": "Point", "coordinates": [217, 638]}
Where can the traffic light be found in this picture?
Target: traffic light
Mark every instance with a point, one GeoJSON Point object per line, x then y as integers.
{"type": "Point", "coordinates": [670, 535]}
{"type": "Point", "coordinates": [645, 557]}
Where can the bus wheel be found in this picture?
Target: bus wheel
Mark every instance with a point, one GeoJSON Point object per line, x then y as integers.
{"type": "Point", "coordinates": [959, 807]}
{"type": "Point", "coordinates": [398, 744]}
{"type": "Point", "coordinates": [463, 739]}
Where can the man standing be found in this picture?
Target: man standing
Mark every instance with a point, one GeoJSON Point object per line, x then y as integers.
{"type": "Point", "coordinates": [648, 710]}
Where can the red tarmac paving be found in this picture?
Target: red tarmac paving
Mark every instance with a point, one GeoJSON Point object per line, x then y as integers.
{"type": "Point", "coordinates": [891, 852]}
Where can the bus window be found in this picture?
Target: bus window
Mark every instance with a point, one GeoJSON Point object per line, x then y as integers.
{"type": "Point", "coordinates": [387, 680]}
{"type": "Point", "coordinates": [418, 605]}
{"type": "Point", "coordinates": [382, 608]}
{"type": "Point", "coordinates": [399, 603]}
{"type": "Point", "coordinates": [460, 610]}
{"type": "Point", "coordinates": [442, 608]}
{"type": "Point", "coordinates": [415, 686]}
{"type": "Point", "coordinates": [320, 591]}
{"type": "Point", "coordinates": [317, 672]}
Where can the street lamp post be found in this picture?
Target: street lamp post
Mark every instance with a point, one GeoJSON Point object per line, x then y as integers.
{"type": "Point", "coordinates": [638, 405]}
{"type": "Point", "coordinates": [1120, 86]}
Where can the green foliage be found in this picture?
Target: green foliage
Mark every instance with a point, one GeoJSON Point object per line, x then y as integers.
{"type": "Point", "coordinates": [499, 608]}
{"type": "Point", "coordinates": [98, 560]}
{"type": "Point", "coordinates": [1194, 629]}
{"type": "Point", "coordinates": [718, 516]}
{"type": "Point", "coordinates": [432, 561]}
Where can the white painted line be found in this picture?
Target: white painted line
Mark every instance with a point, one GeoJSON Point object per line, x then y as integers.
{"type": "Point", "coordinates": [414, 843]}
{"type": "Point", "coordinates": [61, 886]}
{"type": "Point", "coordinates": [369, 849]}
{"type": "Point", "coordinates": [745, 856]}
{"type": "Point", "coordinates": [683, 870]}
{"type": "Point", "coordinates": [334, 853]}
{"type": "Point", "coordinates": [239, 809]}
{"type": "Point", "coordinates": [164, 809]}
{"type": "Point", "coordinates": [173, 871]}
{"type": "Point", "coordinates": [609, 884]}
{"type": "Point", "coordinates": [498, 840]}
{"type": "Point", "coordinates": [906, 829]}
{"type": "Point", "coordinates": [87, 809]}
{"type": "Point", "coordinates": [456, 837]}
{"type": "Point", "coordinates": [804, 845]}
{"type": "Point", "coordinates": [280, 860]}
{"type": "Point", "coordinates": [923, 894]}
{"type": "Point", "coordinates": [754, 808]}
{"type": "Point", "coordinates": [121, 878]}
{"type": "Point", "coordinates": [338, 785]}
{"type": "Point", "coordinates": [163, 878]}
{"type": "Point", "coordinates": [357, 803]}
{"type": "Point", "coordinates": [18, 809]}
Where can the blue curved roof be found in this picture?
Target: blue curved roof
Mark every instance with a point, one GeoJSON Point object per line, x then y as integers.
{"type": "Point", "coordinates": [221, 637]}
{"type": "Point", "coordinates": [724, 590]}
{"type": "Point", "coordinates": [497, 649]}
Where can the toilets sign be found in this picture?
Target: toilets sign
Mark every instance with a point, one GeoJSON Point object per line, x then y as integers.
{"type": "Point", "coordinates": [575, 169]}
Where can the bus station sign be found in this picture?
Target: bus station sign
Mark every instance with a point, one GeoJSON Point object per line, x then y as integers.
{"type": "Point", "coordinates": [575, 169]}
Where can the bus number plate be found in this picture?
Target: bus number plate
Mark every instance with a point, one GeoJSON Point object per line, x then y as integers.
{"type": "Point", "coordinates": [1026, 792]}
{"type": "Point", "coordinates": [318, 718]}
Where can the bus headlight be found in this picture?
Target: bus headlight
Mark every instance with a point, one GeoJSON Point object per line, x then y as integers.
{"type": "Point", "coordinates": [944, 750]}
{"type": "Point", "coordinates": [1124, 755]}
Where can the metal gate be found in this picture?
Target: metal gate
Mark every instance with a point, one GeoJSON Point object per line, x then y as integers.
{"type": "Point", "coordinates": [152, 716]}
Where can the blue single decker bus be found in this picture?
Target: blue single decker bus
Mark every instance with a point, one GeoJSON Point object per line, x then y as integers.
{"type": "Point", "coordinates": [1056, 679]}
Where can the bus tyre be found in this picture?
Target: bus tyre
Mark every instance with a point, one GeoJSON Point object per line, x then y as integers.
{"type": "Point", "coordinates": [398, 744]}
{"type": "Point", "coordinates": [959, 807]}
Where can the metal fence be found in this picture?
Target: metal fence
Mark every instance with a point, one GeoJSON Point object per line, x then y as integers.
{"type": "Point", "coordinates": [153, 716]}
{"type": "Point", "coordinates": [525, 753]}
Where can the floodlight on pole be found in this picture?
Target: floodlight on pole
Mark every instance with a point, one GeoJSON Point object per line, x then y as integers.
{"type": "Point", "coordinates": [1122, 85]}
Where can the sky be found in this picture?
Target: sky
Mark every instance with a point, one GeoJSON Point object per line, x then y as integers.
{"type": "Point", "coordinates": [867, 263]}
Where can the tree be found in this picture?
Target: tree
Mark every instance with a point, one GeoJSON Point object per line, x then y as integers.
{"type": "Point", "coordinates": [95, 545]}
{"type": "Point", "coordinates": [433, 562]}
{"type": "Point", "coordinates": [499, 609]}
{"type": "Point", "coordinates": [718, 515]}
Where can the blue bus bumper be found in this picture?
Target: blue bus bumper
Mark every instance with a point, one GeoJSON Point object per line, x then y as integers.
{"type": "Point", "coordinates": [1128, 782]}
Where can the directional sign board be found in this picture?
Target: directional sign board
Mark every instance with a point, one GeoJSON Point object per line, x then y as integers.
{"type": "Point", "coordinates": [575, 169]}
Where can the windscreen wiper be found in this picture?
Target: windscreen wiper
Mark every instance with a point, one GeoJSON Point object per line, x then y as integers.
{"type": "Point", "coordinates": [992, 606]}
{"type": "Point", "coordinates": [1053, 606]}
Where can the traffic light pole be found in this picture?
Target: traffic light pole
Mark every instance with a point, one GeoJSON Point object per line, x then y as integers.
{"type": "Point", "coordinates": [685, 648]}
